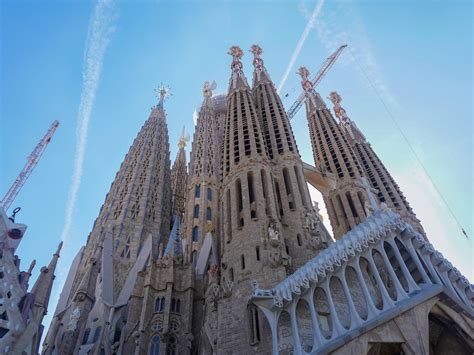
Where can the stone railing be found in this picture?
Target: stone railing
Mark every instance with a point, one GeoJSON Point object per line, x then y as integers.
{"type": "Point", "coordinates": [377, 268]}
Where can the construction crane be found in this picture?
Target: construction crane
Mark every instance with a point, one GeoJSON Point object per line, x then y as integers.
{"type": "Point", "coordinates": [28, 168]}
{"type": "Point", "coordinates": [318, 77]}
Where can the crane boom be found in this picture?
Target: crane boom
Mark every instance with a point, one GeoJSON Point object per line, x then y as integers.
{"type": "Point", "coordinates": [317, 78]}
{"type": "Point", "coordinates": [31, 163]}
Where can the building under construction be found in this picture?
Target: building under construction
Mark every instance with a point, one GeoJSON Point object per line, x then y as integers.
{"type": "Point", "coordinates": [228, 255]}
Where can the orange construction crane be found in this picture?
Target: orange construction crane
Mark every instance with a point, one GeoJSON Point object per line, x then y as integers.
{"type": "Point", "coordinates": [322, 72]}
{"type": "Point", "coordinates": [28, 168]}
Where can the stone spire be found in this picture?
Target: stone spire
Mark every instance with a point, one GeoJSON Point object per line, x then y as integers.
{"type": "Point", "coordinates": [132, 222]}
{"type": "Point", "coordinates": [293, 198]}
{"type": "Point", "coordinates": [252, 244]}
{"type": "Point", "coordinates": [237, 79]}
{"type": "Point", "coordinates": [174, 247]}
{"type": "Point", "coordinates": [388, 191]}
{"type": "Point", "coordinates": [179, 176]}
{"type": "Point", "coordinates": [44, 283]}
{"type": "Point", "coordinates": [334, 153]}
{"type": "Point", "coordinates": [202, 195]}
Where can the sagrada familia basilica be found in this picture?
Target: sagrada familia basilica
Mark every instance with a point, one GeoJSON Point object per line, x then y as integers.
{"type": "Point", "coordinates": [227, 254]}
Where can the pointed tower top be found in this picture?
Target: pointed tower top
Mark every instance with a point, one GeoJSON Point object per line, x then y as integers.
{"type": "Point", "coordinates": [60, 246]}
{"type": "Point", "coordinates": [163, 92]}
{"type": "Point", "coordinates": [237, 54]}
{"type": "Point", "coordinates": [257, 59]}
{"type": "Point", "coordinates": [174, 246]}
{"type": "Point", "coordinates": [183, 139]}
{"type": "Point", "coordinates": [353, 130]}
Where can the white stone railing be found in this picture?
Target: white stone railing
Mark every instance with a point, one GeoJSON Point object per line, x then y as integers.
{"type": "Point", "coordinates": [381, 264]}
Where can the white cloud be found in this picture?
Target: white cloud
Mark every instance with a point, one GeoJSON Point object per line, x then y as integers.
{"type": "Point", "coordinates": [299, 45]}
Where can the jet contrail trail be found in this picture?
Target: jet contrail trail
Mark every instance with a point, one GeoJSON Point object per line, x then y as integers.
{"type": "Point", "coordinates": [300, 43]}
{"type": "Point", "coordinates": [98, 38]}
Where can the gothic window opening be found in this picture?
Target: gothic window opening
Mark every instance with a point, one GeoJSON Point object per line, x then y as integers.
{"type": "Point", "coordinates": [197, 191]}
{"type": "Point", "coordinates": [239, 203]}
{"type": "Point", "coordinates": [196, 211]}
{"type": "Point", "coordinates": [289, 190]}
{"type": "Point", "coordinates": [178, 306]}
{"type": "Point", "coordinates": [280, 205]}
{"type": "Point", "coordinates": [251, 188]}
{"type": "Point", "coordinates": [85, 337]}
{"type": "Point", "coordinates": [209, 194]}
{"type": "Point", "coordinates": [195, 233]}
{"type": "Point", "coordinates": [263, 177]}
{"type": "Point", "coordinates": [300, 186]}
{"type": "Point", "coordinates": [173, 305]}
{"type": "Point", "coordinates": [229, 216]}
{"type": "Point", "coordinates": [171, 346]}
{"type": "Point", "coordinates": [254, 325]}
{"type": "Point", "coordinates": [155, 346]}
{"type": "Point", "coordinates": [96, 334]}
{"type": "Point", "coordinates": [231, 274]}
{"type": "Point", "coordinates": [351, 204]}
{"type": "Point", "coordinates": [208, 214]}
{"type": "Point", "coordinates": [194, 257]}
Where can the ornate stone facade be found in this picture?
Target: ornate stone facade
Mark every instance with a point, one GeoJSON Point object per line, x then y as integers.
{"type": "Point", "coordinates": [247, 266]}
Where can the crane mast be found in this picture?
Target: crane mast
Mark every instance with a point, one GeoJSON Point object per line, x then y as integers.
{"type": "Point", "coordinates": [31, 163]}
{"type": "Point", "coordinates": [318, 77]}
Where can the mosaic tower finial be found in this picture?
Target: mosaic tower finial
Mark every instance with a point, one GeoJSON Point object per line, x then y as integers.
{"type": "Point", "coordinates": [163, 92]}
{"type": "Point", "coordinates": [237, 54]}
{"type": "Point", "coordinates": [257, 59]}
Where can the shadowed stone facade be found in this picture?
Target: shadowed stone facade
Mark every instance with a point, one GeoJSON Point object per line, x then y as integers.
{"type": "Point", "coordinates": [230, 257]}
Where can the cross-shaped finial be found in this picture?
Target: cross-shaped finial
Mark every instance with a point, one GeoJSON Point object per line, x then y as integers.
{"type": "Point", "coordinates": [163, 92]}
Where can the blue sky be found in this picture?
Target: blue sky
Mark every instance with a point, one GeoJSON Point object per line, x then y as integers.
{"type": "Point", "coordinates": [418, 55]}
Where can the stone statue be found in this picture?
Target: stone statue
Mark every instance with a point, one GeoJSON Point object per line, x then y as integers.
{"type": "Point", "coordinates": [273, 233]}
{"type": "Point", "coordinates": [73, 319]}
{"type": "Point", "coordinates": [368, 208]}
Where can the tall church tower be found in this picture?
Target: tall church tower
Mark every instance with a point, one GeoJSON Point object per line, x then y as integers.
{"type": "Point", "coordinates": [347, 203]}
{"type": "Point", "coordinates": [379, 178]}
{"type": "Point", "coordinates": [179, 177]}
{"type": "Point", "coordinates": [132, 223]}
{"type": "Point", "coordinates": [303, 231]}
{"type": "Point", "coordinates": [252, 244]}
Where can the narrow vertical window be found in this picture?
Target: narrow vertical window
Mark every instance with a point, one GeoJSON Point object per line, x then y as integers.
{"type": "Point", "coordinates": [196, 211]}
{"type": "Point", "coordinates": [194, 258]}
{"type": "Point", "coordinates": [263, 177]}
{"type": "Point", "coordinates": [301, 187]}
{"type": "Point", "coordinates": [242, 262]}
{"type": "Point", "coordinates": [197, 191]}
{"type": "Point", "coordinates": [173, 305]}
{"type": "Point", "coordinates": [280, 207]}
{"type": "Point", "coordinates": [195, 233]}
{"type": "Point", "coordinates": [289, 190]}
{"type": "Point", "coordinates": [298, 238]}
{"type": "Point", "coordinates": [162, 304]}
{"type": "Point", "coordinates": [231, 274]}
{"type": "Point", "coordinates": [96, 334]}
{"type": "Point", "coordinates": [239, 203]}
{"type": "Point", "coordinates": [229, 216]}
{"type": "Point", "coordinates": [209, 194]}
{"type": "Point", "coordinates": [85, 337]}
{"type": "Point", "coordinates": [251, 188]}
{"type": "Point", "coordinates": [257, 252]}
{"type": "Point", "coordinates": [178, 306]}
{"type": "Point", "coordinates": [208, 214]}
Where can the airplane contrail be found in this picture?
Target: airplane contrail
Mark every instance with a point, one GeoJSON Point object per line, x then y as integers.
{"type": "Point", "coordinates": [98, 38]}
{"type": "Point", "coordinates": [300, 43]}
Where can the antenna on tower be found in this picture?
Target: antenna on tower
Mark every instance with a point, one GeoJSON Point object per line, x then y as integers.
{"type": "Point", "coordinates": [31, 163]}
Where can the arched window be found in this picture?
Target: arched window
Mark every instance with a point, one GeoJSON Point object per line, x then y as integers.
{"type": "Point", "coordinates": [157, 304]}
{"type": "Point", "coordinates": [196, 211]}
{"type": "Point", "coordinates": [96, 334]}
{"type": "Point", "coordinates": [85, 337]}
{"type": "Point", "coordinates": [197, 191]}
{"type": "Point", "coordinates": [155, 346]}
{"type": "Point", "coordinates": [208, 214]}
{"type": "Point", "coordinates": [173, 305]}
{"type": "Point", "coordinates": [162, 304]}
{"type": "Point", "coordinates": [195, 233]}
{"type": "Point", "coordinates": [209, 194]}
{"type": "Point", "coordinates": [171, 346]}
{"type": "Point", "coordinates": [194, 258]}
{"type": "Point", "coordinates": [178, 306]}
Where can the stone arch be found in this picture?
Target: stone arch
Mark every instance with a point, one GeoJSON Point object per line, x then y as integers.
{"type": "Point", "coordinates": [324, 313]}
{"type": "Point", "coordinates": [384, 274]}
{"type": "Point", "coordinates": [305, 325]}
{"type": "Point", "coordinates": [355, 289]}
{"type": "Point", "coordinates": [396, 266]}
{"type": "Point", "coordinates": [340, 302]}
{"type": "Point", "coordinates": [286, 343]}
{"type": "Point", "coordinates": [367, 274]}
{"type": "Point", "coordinates": [409, 262]}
